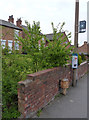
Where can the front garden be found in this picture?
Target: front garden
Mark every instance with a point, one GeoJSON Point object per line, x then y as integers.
{"type": "Point", "coordinates": [15, 66]}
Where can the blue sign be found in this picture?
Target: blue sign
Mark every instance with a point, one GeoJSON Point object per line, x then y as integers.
{"type": "Point", "coordinates": [82, 26]}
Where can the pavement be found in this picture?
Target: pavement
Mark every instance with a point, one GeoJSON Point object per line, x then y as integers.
{"type": "Point", "coordinates": [73, 105]}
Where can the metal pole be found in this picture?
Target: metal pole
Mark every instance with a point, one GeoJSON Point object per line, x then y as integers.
{"type": "Point", "coordinates": [76, 38]}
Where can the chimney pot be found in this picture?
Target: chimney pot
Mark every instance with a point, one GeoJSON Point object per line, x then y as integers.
{"type": "Point", "coordinates": [85, 42]}
{"type": "Point", "coordinates": [19, 22]}
{"type": "Point", "coordinates": [11, 19]}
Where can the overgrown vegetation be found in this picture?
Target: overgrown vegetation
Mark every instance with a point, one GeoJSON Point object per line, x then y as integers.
{"type": "Point", "coordinates": [79, 59]}
{"type": "Point", "coordinates": [43, 57]}
{"type": "Point", "coordinates": [14, 69]}
{"type": "Point", "coordinates": [83, 57]}
{"type": "Point", "coordinates": [15, 66]}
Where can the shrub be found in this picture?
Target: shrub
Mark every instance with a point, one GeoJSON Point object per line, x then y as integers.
{"type": "Point", "coordinates": [54, 54]}
{"type": "Point", "coordinates": [83, 57]}
{"type": "Point", "coordinates": [14, 69]}
{"type": "Point", "coordinates": [6, 50]}
{"type": "Point", "coordinates": [79, 59]}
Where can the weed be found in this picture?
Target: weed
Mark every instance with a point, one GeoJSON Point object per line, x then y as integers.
{"type": "Point", "coordinates": [49, 103]}
{"type": "Point", "coordinates": [38, 113]}
{"type": "Point", "coordinates": [58, 95]}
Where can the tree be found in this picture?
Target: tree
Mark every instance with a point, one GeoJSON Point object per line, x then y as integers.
{"type": "Point", "coordinates": [30, 44]}
{"type": "Point", "coordinates": [57, 53]}
{"type": "Point", "coordinates": [53, 55]}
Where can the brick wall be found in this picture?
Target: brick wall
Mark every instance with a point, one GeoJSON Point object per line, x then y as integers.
{"type": "Point", "coordinates": [82, 69]}
{"type": "Point", "coordinates": [40, 88]}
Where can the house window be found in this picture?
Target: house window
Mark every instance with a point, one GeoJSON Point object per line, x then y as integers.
{"type": "Point", "coordinates": [10, 44]}
{"type": "Point", "coordinates": [3, 43]}
{"type": "Point", "coordinates": [16, 34]}
{"type": "Point", "coordinates": [16, 45]}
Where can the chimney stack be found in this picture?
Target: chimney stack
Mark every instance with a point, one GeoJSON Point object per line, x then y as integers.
{"type": "Point", "coordinates": [11, 19]}
{"type": "Point", "coordinates": [85, 42]}
{"type": "Point", "coordinates": [19, 22]}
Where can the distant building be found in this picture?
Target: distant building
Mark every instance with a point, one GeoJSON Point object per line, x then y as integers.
{"type": "Point", "coordinates": [84, 48]}
{"type": "Point", "coordinates": [9, 32]}
{"type": "Point", "coordinates": [50, 37]}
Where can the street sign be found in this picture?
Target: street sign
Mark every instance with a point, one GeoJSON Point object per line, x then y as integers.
{"type": "Point", "coordinates": [75, 60]}
{"type": "Point", "coordinates": [82, 26]}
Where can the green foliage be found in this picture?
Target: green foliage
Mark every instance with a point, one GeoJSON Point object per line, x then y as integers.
{"type": "Point", "coordinates": [53, 55]}
{"type": "Point", "coordinates": [30, 44]}
{"type": "Point", "coordinates": [38, 113]}
{"type": "Point", "coordinates": [14, 69]}
{"type": "Point", "coordinates": [83, 57]}
{"type": "Point", "coordinates": [79, 59]}
{"type": "Point", "coordinates": [6, 50]}
{"type": "Point", "coordinates": [57, 53]}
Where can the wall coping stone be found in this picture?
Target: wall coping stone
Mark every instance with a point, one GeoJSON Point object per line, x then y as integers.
{"type": "Point", "coordinates": [83, 63]}
{"type": "Point", "coordinates": [45, 71]}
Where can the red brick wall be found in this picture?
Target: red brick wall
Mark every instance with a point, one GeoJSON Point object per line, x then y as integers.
{"type": "Point", "coordinates": [82, 69]}
{"type": "Point", "coordinates": [8, 34]}
{"type": "Point", "coordinates": [41, 87]}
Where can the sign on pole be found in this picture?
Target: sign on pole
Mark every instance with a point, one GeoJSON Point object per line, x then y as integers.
{"type": "Point", "coordinates": [82, 26]}
{"type": "Point", "coordinates": [75, 60]}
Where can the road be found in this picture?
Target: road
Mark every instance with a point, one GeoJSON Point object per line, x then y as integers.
{"type": "Point", "coordinates": [73, 105]}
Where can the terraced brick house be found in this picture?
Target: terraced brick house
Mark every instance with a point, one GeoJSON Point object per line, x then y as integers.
{"type": "Point", "coordinates": [8, 33]}
{"type": "Point", "coordinates": [50, 37]}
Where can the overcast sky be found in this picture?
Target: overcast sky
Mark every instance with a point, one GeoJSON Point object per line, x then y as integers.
{"type": "Point", "coordinates": [46, 11]}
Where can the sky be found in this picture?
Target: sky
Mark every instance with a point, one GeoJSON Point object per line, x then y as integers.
{"type": "Point", "coordinates": [46, 11]}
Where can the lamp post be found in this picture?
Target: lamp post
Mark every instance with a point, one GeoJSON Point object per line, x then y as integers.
{"type": "Point", "coordinates": [76, 38]}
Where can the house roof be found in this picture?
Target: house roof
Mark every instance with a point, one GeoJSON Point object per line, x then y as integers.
{"type": "Point", "coordinates": [25, 27]}
{"type": "Point", "coordinates": [50, 36]}
{"type": "Point", "coordinates": [8, 24]}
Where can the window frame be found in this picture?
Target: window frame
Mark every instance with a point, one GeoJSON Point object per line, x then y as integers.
{"type": "Point", "coordinates": [14, 45]}
{"type": "Point", "coordinates": [3, 46]}
{"type": "Point", "coordinates": [16, 33]}
{"type": "Point", "coordinates": [10, 41]}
